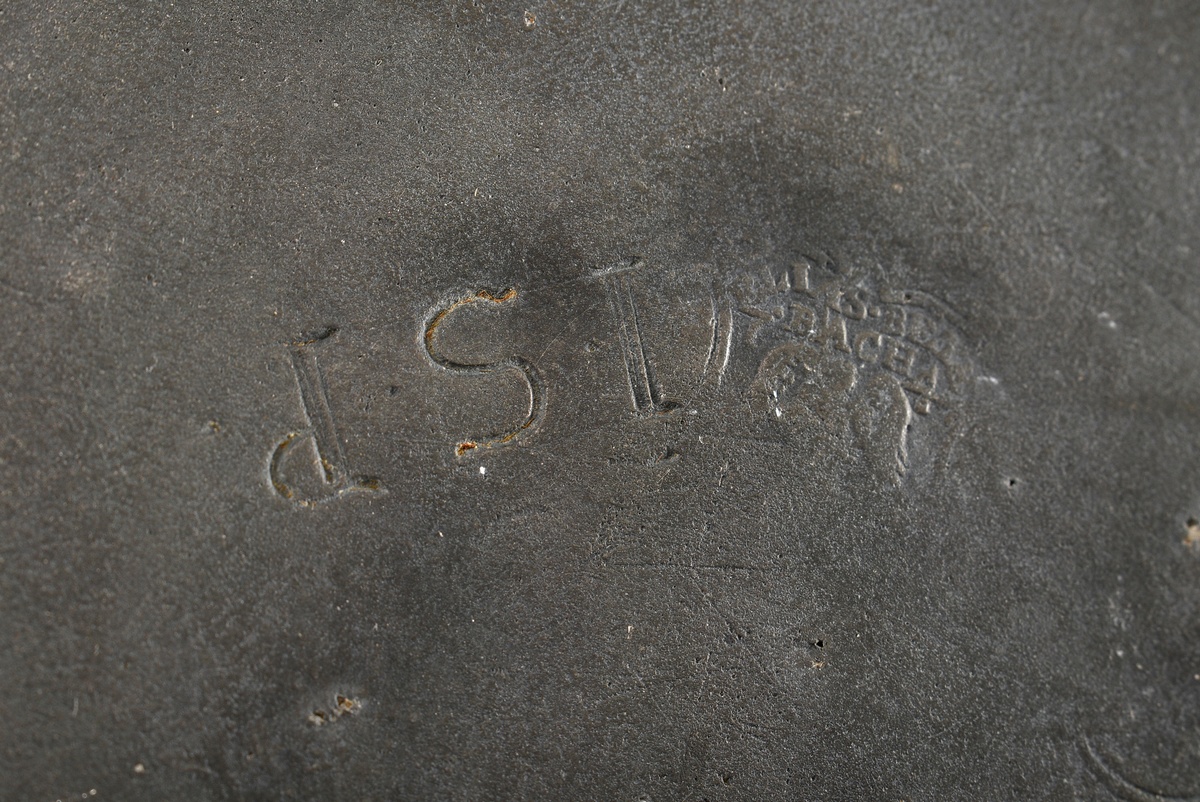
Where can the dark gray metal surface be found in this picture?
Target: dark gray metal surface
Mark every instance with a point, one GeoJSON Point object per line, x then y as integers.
{"type": "Point", "coordinates": [641, 401]}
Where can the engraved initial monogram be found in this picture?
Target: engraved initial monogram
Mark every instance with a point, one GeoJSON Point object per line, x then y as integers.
{"type": "Point", "coordinates": [325, 476]}
{"type": "Point", "coordinates": [857, 362]}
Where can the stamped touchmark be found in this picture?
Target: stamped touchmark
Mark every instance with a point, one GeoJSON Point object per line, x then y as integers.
{"type": "Point", "coordinates": [844, 353]}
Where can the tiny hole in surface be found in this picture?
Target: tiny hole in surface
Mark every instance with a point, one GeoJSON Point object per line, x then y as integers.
{"type": "Point", "coordinates": [1192, 535]}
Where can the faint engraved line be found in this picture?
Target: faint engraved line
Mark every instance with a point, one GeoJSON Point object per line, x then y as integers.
{"type": "Point", "coordinates": [537, 394]}
{"type": "Point", "coordinates": [1123, 787]}
{"type": "Point", "coordinates": [730, 622]}
{"type": "Point", "coordinates": [688, 567]}
{"type": "Point", "coordinates": [15, 290]}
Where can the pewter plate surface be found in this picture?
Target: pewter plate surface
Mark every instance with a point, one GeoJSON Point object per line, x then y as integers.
{"type": "Point", "coordinates": [629, 401]}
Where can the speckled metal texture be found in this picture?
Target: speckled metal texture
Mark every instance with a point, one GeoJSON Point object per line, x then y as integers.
{"type": "Point", "coordinates": [622, 401]}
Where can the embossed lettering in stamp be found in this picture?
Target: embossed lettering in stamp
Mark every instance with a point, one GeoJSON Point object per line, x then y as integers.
{"type": "Point", "coordinates": [843, 353]}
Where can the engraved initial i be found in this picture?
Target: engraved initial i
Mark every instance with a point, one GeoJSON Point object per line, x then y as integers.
{"type": "Point", "coordinates": [645, 390]}
{"type": "Point", "coordinates": [643, 387]}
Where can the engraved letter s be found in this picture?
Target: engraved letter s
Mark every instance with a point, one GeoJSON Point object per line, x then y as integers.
{"type": "Point", "coordinates": [537, 395]}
